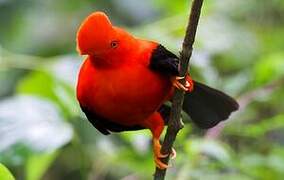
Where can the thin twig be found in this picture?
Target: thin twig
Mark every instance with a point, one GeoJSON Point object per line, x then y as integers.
{"type": "Point", "coordinates": [175, 123]}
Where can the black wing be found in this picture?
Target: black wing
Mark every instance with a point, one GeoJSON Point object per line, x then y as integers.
{"type": "Point", "coordinates": [164, 61]}
{"type": "Point", "coordinates": [205, 106]}
{"type": "Point", "coordinates": [106, 126]}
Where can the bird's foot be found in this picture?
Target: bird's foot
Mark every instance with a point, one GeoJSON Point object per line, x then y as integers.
{"type": "Point", "coordinates": [158, 155]}
{"type": "Point", "coordinates": [188, 83]}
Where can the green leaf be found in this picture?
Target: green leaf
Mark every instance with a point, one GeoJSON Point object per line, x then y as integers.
{"type": "Point", "coordinates": [269, 68]}
{"type": "Point", "coordinates": [30, 85]}
{"type": "Point", "coordinates": [46, 85]}
{"type": "Point", "coordinates": [38, 164]}
{"type": "Point", "coordinates": [171, 7]}
{"type": "Point", "coordinates": [5, 174]}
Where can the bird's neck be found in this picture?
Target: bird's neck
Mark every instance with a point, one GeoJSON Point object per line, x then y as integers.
{"type": "Point", "coordinates": [107, 62]}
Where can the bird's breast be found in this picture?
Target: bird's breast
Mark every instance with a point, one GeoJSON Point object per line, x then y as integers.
{"type": "Point", "coordinates": [126, 94]}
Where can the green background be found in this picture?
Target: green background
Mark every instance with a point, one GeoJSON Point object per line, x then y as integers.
{"type": "Point", "coordinates": [239, 49]}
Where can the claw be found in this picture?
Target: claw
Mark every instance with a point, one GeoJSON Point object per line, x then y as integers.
{"type": "Point", "coordinates": [187, 84]}
{"type": "Point", "coordinates": [179, 85]}
{"type": "Point", "coordinates": [160, 164]}
{"type": "Point", "coordinates": [173, 154]}
{"type": "Point", "coordinates": [179, 77]}
{"type": "Point", "coordinates": [188, 87]}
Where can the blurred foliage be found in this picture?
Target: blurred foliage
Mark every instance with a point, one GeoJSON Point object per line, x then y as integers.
{"type": "Point", "coordinates": [5, 173]}
{"type": "Point", "coordinates": [44, 135]}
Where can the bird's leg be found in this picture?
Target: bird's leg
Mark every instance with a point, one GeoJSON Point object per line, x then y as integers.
{"type": "Point", "coordinates": [156, 124]}
{"type": "Point", "coordinates": [188, 83]}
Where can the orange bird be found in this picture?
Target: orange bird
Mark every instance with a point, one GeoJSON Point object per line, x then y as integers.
{"type": "Point", "coordinates": [125, 81]}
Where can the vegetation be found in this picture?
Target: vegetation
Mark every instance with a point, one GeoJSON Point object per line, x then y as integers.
{"type": "Point", "coordinates": [44, 135]}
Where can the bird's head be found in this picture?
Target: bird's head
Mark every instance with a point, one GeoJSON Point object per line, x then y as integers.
{"type": "Point", "coordinates": [98, 37]}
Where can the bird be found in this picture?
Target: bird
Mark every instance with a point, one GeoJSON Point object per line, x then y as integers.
{"type": "Point", "coordinates": [124, 84]}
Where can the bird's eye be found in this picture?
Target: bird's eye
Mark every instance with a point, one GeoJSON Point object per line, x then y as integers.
{"type": "Point", "coordinates": [114, 44]}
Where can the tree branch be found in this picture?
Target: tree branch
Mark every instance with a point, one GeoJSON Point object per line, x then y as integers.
{"type": "Point", "coordinates": [175, 123]}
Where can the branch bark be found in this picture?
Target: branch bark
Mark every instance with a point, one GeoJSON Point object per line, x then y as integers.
{"type": "Point", "coordinates": [175, 122]}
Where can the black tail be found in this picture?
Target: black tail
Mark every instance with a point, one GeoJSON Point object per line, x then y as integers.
{"type": "Point", "coordinates": [207, 106]}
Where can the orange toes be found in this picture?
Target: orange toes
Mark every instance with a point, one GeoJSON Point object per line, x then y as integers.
{"type": "Point", "coordinates": [158, 154]}
{"type": "Point", "coordinates": [190, 83]}
{"type": "Point", "coordinates": [178, 85]}
{"type": "Point", "coordinates": [160, 164]}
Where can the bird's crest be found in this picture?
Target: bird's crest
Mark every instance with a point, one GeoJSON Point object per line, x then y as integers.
{"type": "Point", "coordinates": [94, 33]}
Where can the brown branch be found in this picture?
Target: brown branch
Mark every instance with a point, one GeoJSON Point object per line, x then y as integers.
{"type": "Point", "coordinates": [175, 123]}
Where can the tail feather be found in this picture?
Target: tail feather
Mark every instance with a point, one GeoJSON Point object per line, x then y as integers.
{"type": "Point", "coordinates": [207, 106]}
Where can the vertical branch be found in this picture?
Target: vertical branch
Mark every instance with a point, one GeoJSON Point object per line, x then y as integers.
{"type": "Point", "coordinates": [175, 123]}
